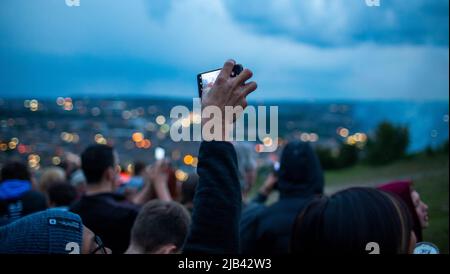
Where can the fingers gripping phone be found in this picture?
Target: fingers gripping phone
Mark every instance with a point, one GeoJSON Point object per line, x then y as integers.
{"type": "Point", "coordinates": [205, 80]}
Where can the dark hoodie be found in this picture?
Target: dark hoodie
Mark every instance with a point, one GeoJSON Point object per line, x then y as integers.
{"type": "Point", "coordinates": [17, 199]}
{"type": "Point", "coordinates": [267, 230]}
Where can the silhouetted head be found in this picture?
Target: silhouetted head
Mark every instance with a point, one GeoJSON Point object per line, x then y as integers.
{"type": "Point", "coordinates": [61, 195]}
{"type": "Point", "coordinates": [51, 176]}
{"type": "Point", "coordinates": [139, 167]}
{"type": "Point", "coordinates": [99, 163]}
{"type": "Point", "coordinates": [300, 170]}
{"type": "Point", "coordinates": [161, 227]}
{"type": "Point", "coordinates": [15, 170]}
{"type": "Point", "coordinates": [349, 220]}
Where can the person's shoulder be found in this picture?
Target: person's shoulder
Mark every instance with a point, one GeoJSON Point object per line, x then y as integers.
{"type": "Point", "coordinates": [119, 205]}
{"type": "Point", "coordinates": [76, 205]}
{"type": "Point", "coordinates": [251, 217]}
{"type": "Point", "coordinates": [253, 210]}
{"type": "Point", "coordinates": [274, 207]}
{"type": "Point", "coordinates": [105, 206]}
{"type": "Point", "coordinates": [124, 213]}
{"type": "Point", "coordinates": [271, 214]}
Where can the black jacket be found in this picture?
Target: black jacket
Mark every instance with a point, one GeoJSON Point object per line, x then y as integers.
{"type": "Point", "coordinates": [267, 230]}
{"type": "Point", "coordinates": [217, 202]}
{"type": "Point", "coordinates": [108, 216]}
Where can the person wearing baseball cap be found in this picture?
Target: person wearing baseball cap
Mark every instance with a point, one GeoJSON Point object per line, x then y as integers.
{"type": "Point", "coordinates": [50, 231]}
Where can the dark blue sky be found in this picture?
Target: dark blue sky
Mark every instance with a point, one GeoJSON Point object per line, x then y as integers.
{"type": "Point", "coordinates": [310, 49]}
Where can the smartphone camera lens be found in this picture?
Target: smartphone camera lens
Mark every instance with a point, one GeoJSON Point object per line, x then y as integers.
{"type": "Point", "coordinates": [237, 69]}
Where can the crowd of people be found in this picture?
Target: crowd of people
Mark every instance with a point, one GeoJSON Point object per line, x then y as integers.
{"type": "Point", "coordinates": [81, 209]}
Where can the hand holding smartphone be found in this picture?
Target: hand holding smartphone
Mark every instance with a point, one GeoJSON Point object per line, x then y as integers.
{"type": "Point", "coordinates": [206, 80]}
{"type": "Point", "coordinates": [221, 90]}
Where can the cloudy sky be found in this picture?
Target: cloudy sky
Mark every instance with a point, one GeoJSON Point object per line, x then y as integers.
{"type": "Point", "coordinates": [298, 49]}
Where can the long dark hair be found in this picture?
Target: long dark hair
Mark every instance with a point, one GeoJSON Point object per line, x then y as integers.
{"type": "Point", "coordinates": [350, 219]}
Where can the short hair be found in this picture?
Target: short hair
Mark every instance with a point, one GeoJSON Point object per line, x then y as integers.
{"type": "Point", "coordinates": [350, 219]}
{"type": "Point", "coordinates": [159, 223]}
{"type": "Point", "coordinates": [50, 176]}
{"type": "Point", "coordinates": [95, 160]}
{"type": "Point", "coordinates": [62, 194]}
{"type": "Point", "coordinates": [15, 170]}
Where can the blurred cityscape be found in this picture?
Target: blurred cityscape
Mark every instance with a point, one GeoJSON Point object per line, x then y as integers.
{"type": "Point", "coordinates": [43, 131]}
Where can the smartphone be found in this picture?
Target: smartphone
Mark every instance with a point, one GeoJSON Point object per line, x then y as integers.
{"type": "Point", "coordinates": [276, 168]}
{"type": "Point", "coordinates": [206, 80]}
{"type": "Point", "coordinates": [276, 172]}
{"type": "Point", "coordinates": [160, 153]}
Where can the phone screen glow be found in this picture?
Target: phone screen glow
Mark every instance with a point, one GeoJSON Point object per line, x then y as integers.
{"type": "Point", "coordinates": [159, 153]}
{"type": "Point", "coordinates": [208, 80]}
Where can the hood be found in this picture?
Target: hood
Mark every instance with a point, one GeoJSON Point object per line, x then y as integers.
{"type": "Point", "coordinates": [50, 231]}
{"type": "Point", "coordinates": [300, 171]}
{"type": "Point", "coordinates": [13, 189]}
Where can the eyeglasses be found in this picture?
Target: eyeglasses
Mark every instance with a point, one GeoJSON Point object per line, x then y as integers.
{"type": "Point", "coordinates": [100, 246]}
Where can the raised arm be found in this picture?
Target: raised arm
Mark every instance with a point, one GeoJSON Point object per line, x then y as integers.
{"type": "Point", "coordinates": [217, 201]}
